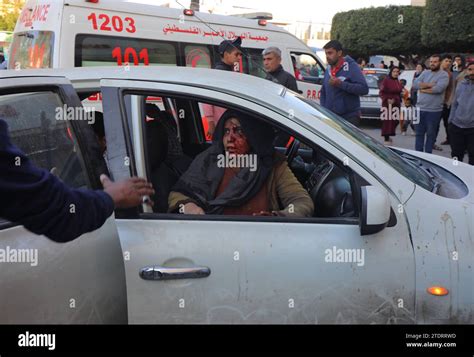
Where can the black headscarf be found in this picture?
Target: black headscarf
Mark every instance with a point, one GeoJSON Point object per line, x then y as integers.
{"type": "Point", "coordinates": [201, 181]}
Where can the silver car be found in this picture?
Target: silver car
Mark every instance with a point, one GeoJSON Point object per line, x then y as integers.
{"type": "Point", "coordinates": [371, 103]}
{"type": "Point", "coordinates": [391, 239]}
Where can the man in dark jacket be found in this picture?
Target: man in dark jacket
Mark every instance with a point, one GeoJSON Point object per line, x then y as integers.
{"type": "Point", "coordinates": [275, 72]}
{"type": "Point", "coordinates": [343, 84]}
{"type": "Point", "coordinates": [230, 55]}
{"type": "Point", "coordinates": [230, 60]}
{"type": "Point", "coordinates": [42, 203]}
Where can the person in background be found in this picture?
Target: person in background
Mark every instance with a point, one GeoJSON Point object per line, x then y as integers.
{"type": "Point", "coordinates": [461, 118]}
{"type": "Point", "coordinates": [457, 66]}
{"type": "Point", "coordinates": [372, 65]}
{"type": "Point", "coordinates": [403, 96]}
{"type": "Point", "coordinates": [298, 74]}
{"type": "Point", "coordinates": [446, 62]}
{"type": "Point", "coordinates": [343, 84]}
{"type": "Point", "coordinates": [99, 130]}
{"type": "Point", "coordinates": [230, 53]}
{"type": "Point", "coordinates": [390, 93]}
{"type": "Point", "coordinates": [459, 78]}
{"type": "Point", "coordinates": [3, 61]}
{"type": "Point", "coordinates": [274, 69]}
{"type": "Point", "coordinates": [391, 65]}
{"type": "Point", "coordinates": [408, 119]}
{"type": "Point", "coordinates": [431, 85]}
{"type": "Point", "coordinates": [420, 67]}
{"type": "Point", "coordinates": [361, 62]}
{"type": "Point", "coordinates": [405, 93]}
{"type": "Point", "coordinates": [276, 73]}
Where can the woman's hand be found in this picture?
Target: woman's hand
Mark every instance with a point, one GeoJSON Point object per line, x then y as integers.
{"type": "Point", "coordinates": [192, 208]}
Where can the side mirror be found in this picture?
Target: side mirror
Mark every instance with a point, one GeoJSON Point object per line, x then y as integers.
{"type": "Point", "coordinates": [375, 210]}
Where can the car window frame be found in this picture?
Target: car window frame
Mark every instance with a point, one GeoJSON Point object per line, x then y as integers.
{"type": "Point", "coordinates": [185, 217]}
{"type": "Point", "coordinates": [319, 80]}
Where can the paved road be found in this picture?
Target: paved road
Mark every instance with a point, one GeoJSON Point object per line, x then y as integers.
{"type": "Point", "coordinates": [408, 141]}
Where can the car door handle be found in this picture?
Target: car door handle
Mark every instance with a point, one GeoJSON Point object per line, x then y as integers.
{"type": "Point", "coordinates": [157, 272]}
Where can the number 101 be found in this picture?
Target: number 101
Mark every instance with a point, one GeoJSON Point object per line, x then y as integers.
{"type": "Point", "coordinates": [141, 57]}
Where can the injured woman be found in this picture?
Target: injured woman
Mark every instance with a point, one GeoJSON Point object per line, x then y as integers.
{"type": "Point", "coordinates": [240, 174]}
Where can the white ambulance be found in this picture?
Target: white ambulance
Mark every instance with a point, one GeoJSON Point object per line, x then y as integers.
{"type": "Point", "coordinates": [83, 33]}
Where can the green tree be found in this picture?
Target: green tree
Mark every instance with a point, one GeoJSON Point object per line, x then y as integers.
{"type": "Point", "coordinates": [10, 10]}
{"type": "Point", "coordinates": [7, 22]}
{"type": "Point", "coordinates": [391, 30]}
{"type": "Point", "coordinates": [448, 25]}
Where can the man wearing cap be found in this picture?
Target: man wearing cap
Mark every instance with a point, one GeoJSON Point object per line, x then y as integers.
{"type": "Point", "coordinates": [275, 72]}
{"type": "Point", "coordinates": [231, 55]}
{"type": "Point", "coordinates": [230, 59]}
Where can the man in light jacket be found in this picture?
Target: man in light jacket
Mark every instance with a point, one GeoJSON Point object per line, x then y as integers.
{"type": "Point", "coordinates": [431, 86]}
{"type": "Point", "coordinates": [461, 119]}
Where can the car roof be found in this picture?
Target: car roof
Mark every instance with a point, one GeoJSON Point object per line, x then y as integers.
{"type": "Point", "coordinates": [224, 81]}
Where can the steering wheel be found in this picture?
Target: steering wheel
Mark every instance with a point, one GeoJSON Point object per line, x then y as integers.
{"type": "Point", "coordinates": [292, 151]}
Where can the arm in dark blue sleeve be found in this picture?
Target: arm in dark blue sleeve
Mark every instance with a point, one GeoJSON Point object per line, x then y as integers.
{"type": "Point", "coordinates": [322, 98]}
{"type": "Point", "coordinates": [358, 84]}
{"type": "Point", "coordinates": [41, 202]}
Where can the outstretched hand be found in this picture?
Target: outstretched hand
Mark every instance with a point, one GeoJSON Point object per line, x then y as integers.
{"type": "Point", "coordinates": [127, 193]}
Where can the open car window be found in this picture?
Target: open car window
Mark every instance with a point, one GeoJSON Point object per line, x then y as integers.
{"type": "Point", "coordinates": [169, 159]}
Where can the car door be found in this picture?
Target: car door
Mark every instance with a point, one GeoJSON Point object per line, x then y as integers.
{"type": "Point", "coordinates": [44, 282]}
{"type": "Point", "coordinates": [217, 269]}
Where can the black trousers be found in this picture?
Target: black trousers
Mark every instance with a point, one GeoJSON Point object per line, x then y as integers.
{"type": "Point", "coordinates": [445, 116]}
{"type": "Point", "coordinates": [461, 140]}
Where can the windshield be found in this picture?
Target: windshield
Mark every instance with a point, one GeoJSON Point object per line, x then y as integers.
{"type": "Point", "coordinates": [415, 174]}
{"type": "Point", "coordinates": [373, 81]}
{"type": "Point", "coordinates": [32, 49]}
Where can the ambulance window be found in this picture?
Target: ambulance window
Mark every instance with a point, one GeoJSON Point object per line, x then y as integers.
{"type": "Point", "coordinates": [307, 68]}
{"type": "Point", "coordinates": [32, 49]}
{"type": "Point", "coordinates": [92, 50]}
{"type": "Point", "coordinates": [197, 56]}
{"type": "Point", "coordinates": [253, 63]}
